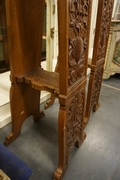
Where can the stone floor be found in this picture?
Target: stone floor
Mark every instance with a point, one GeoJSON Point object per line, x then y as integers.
{"type": "Point", "coordinates": [99, 156]}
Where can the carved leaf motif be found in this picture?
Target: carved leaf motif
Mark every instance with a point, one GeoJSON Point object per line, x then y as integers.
{"type": "Point", "coordinates": [72, 77]}
{"type": "Point", "coordinates": [75, 120]}
{"type": "Point", "coordinates": [78, 48]}
{"type": "Point", "coordinates": [81, 69]}
{"type": "Point", "coordinates": [104, 31]}
{"type": "Point", "coordinates": [79, 17]}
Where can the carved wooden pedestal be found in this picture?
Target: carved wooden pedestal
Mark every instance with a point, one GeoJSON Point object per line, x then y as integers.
{"type": "Point", "coordinates": [99, 52]}
{"type": "Point", "coordinates": [25, 18]}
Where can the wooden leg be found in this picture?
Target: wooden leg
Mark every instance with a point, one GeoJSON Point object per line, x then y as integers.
{"type": "Point", "coordinates": [50, 102]}
{"type": "Point", "coordinates": [65, 147]}
{"type": "Point", "coordinates": [70, 130]}
{"type": "Point", "coordinates": [61, 144]}
{"type": "Point", "coordinates": [94, 88]}
{"type": "Point", "coordinates": [24, 101]}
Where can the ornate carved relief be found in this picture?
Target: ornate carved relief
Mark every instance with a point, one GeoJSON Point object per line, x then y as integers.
{"type": "Point", "coordinates": [104, 32]}
{"type": "Point", "coordinates": [96, 86]}
{"type": "Point", "coordinates": [78, 38]}
{"type": "Point", "coordinates": [75, 119]}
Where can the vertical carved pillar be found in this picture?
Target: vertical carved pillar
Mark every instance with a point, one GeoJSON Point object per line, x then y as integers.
{"type": "Point", "coordinates": [73, 28]}
{"type": "Point", "coordinates": [100, 46]}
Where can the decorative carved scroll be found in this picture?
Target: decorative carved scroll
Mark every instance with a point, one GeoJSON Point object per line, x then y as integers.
{"type": "Point", "coordinates": [79, 21]}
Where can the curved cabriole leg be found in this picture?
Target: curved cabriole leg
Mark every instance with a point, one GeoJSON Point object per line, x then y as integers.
{"type": "Point", "coordinates": [24, 101]}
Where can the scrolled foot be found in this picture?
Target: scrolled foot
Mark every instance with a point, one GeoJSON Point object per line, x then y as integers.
{"type": "Point", "coordinates": [59, 174]}
{"type": "Point", "coordinates": [10, 138]}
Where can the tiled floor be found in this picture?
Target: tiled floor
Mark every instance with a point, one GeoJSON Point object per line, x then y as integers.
{"type": "Point", "coordinates": [99, 156]}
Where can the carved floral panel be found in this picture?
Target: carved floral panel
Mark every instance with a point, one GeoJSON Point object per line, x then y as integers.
{"type": "Point", "coordinates": [96, 86]}
{"type": "Point", "coordinates": [75, 117]}
{"type": "Point", "coordinates": [105, 27]}
{"type": "Point", "coordinates": [79, 25]}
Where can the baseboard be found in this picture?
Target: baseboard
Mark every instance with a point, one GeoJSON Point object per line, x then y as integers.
{"type": "Point", "coordinates": [5, 120]}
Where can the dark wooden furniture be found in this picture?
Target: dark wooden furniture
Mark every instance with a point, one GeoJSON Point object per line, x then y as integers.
{"type": "Point", "coordinates": [103, 22]}
{"type": "Point", "coordinates": [4, 61]}
{"type": "Point", "coordinates": [28, 78]}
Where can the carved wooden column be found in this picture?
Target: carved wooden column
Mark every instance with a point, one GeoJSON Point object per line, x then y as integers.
{"type": "Point", "coordinates": [99, 52]}
{"type": "Point", "coordinates": [73, 29]}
